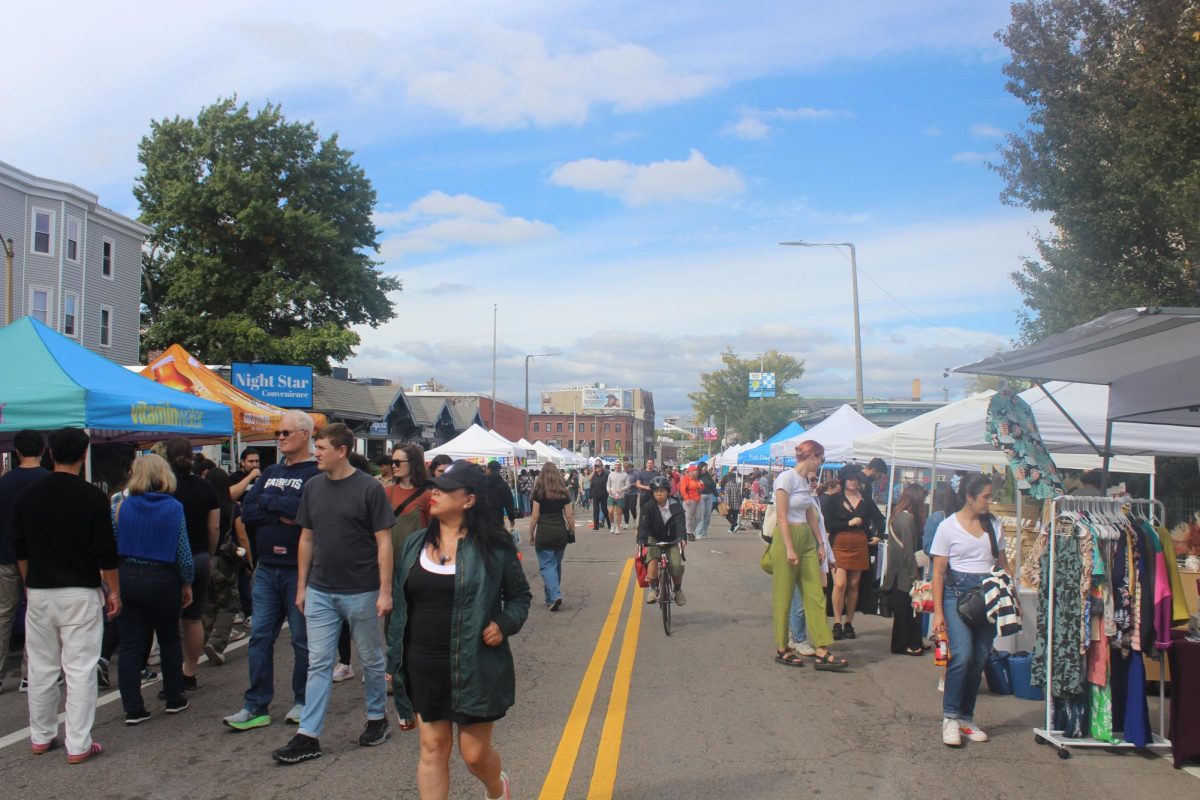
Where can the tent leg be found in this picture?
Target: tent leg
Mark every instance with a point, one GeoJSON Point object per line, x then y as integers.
{"type": "Point", "coordinates": [1107, 456]}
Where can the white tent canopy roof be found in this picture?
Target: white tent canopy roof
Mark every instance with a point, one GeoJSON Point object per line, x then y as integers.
{"type": "Point", "coordinates": [474, 442]}
{"type": "Point", "coordinates": [514, 450]}
{"type": "Point", "coordinates": [729, 457]}
{"type": "Point", "coordinates": [1086, 404]}
{"type": "Point", "coordinates": [1150, 357]}
{"type": "Point", "coordinates": [836, 433]}
{"type": "Point", "coordinates": [913, 441]}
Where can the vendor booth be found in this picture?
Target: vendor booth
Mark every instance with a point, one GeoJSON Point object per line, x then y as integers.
{"type": "Point", "coordinates": [475, 444]}
{"type": "Point", "coordinates": [836, 433]}
{"type": "Point", "coordinates": [760, 456]}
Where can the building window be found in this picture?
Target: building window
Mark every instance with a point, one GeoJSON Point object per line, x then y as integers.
{"type": "Point", "coordinates": [536, 427]}
{"type": "Point", "coordinates": [607, 446]}
{"type": "Point", "coordinates": [73, 229]}
{"type": "Point", "coordinates": [558, 428]}
{"type": "Point", "coordinates": [606, 427]}
{"type": "Point", "coordinates": [618, 428]}
{"type": "Point", "coordinates": [39, 305]}
{"type": "Point", "coordinates": [43, 227]}
{"type": "Point", "coordinates": [70, 311]}
{"type": "Point", "coordinates": [106, 258]}
{"type": "Point", "coordinates": [593, 427]}
{"type": "Point", "coordinates": [570, 427]}
{"type": "Point", "coordinates": [105, 326]}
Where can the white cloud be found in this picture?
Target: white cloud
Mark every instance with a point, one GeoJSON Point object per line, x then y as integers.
{"type": "Point", "coordinates": [694, 180]}
{"type": "Point", "coordinates": [750, 128]}
{"type": "Point", "coordinates": [983, 130]}
{"type": "Point", "coordinates": [933, 130]}
{"type": "Point", "coordinates": [439, 220]}
{"type": "Point", "coordinates": [754, 123]}
{"type": "Point", "coordinates": [970, 157]}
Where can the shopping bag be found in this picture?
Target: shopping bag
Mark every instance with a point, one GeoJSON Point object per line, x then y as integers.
{"type": "Point", "coordinates": [639, 567]}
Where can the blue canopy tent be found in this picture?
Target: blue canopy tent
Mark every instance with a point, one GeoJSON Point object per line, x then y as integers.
{"type": "Point", "coordinates": [52, 382]}
{"type": "Point", "coordinates": [761, 456]}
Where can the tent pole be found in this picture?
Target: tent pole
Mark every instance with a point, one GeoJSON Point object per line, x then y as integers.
{"type": "Point", "coordinates": [1107, 456]}
{"type": "Point", "coordinates": [1071, 419]}
{"type": "Point", "coordinates": [1153, 505]}
{"type": "Point", "coordinates": [933, 473]}
{"type": "Point", "coordinates": [87, 463]}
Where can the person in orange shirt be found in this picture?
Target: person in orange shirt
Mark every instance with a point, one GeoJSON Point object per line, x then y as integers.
{"type": "Point", "coordinates": [690, 489]}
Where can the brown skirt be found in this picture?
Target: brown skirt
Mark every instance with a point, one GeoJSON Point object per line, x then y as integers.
{"type": "Point", "coordinates": [850, 550]}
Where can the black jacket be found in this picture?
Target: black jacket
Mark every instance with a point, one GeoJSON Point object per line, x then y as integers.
{"type": "Point", "coordinates": [651, 527]}
{"type": "Point", "coordinates": [600, 485]}
{"type": "Point", "coordinates": [500, 499]}
{"type": "Point", "coordinates": [837, 516]}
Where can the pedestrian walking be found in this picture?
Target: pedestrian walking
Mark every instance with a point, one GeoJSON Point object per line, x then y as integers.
{"type": "Point", "coordinates": [854, 525]}
{"type": "Point", "coordinates": [271, 507]}
{"type": "Point", "coordinates": [344, 576]}
{"type": "Point", "coordinates": [231, 560]}
{"type": "Point", "coordinates": [156, 583]}
{"type": "Point", "coordinates": [968, 544]}
{"type": "Point", "coordinates": [500, 498]}
{"type": "Point", "coordinates": [598, 490]}
{"type": "Point", "coordinates": [27, 449]}
{"type": "Point", "coordinates": [525, 479]}
{"type": "Point", "coordinates": [708, 499]}
{"type": "Point", "coordinates": [795, 554]}
{"type": "Point", "coordinates": [203, 515]}
{"type": "Point", "coordinates": [63, 541]}
{"type": "Point", "coordinates": [462, 576]}
{"type": "Point", "coordinates": [551, 529]}
{"type": "Point", "coordinates": [903, 567]}
{"type": "Point", "coordinates": [573, 485]}
{"type": "Point", "coordinates": [632, 495]}
{"type": "Point", "coordinates": [690, 491]}
{"type": "Point", "coordinates": [616, 486]}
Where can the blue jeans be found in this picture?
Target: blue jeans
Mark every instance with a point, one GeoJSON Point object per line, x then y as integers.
{"type": "Point", "coordinates": [796, 624]}
{"type": "Point", "coordinates": [969, 649]}
{"type": "Point", "coordinates": [324, 612]}
{"type": "Point", "coordinates": [707, 501]}
{"type": "Point", "coordinates": [274, 601]}
{"type": "Point", "coordinates": [550, 565]}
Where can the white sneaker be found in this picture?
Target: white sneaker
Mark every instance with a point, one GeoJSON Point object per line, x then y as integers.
{"type": "Point", "coordinates": [293, 716]}
{"type": "Point", "coordinates": [342, 672]}
{"type": "Point", "coordinates": [806, 648]}
{"type": "Point", "coordinates": [651, 596]}
{"type": "Point", "coordinates": [972, 733]}
{"type": "Point", "coordinates": [951, 734]}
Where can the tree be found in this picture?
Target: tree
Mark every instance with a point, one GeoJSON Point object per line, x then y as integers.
{"type": "Point", "coordinates": [1111, 149]}
{"type": "Point", "coordinates": [262, 239]}
{"type": "Point", "coordinates": [724, 394]}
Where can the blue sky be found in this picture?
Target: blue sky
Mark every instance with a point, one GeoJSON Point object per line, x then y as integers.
{"type": "Point", "coordinates": [614, 176]}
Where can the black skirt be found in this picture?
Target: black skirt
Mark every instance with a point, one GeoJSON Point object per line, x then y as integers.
{"type": "Point", "coordinates": [429, 692]}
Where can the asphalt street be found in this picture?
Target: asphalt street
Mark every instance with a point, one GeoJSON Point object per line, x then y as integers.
{"type": "Point", "coordinates": [609, 706]}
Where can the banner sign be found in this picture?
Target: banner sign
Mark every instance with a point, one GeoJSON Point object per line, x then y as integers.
{"type": "Point", "coordinates": [280, 384]}
{"type": "Point", "coordinates": [762, 384]}
{"type": "Point", "coordinates": [600, 399]}
{"type": "Point", "coordinates": [710, 434]}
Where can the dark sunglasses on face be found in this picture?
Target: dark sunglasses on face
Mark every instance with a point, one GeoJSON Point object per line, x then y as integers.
{"type": "Point", "coordinates": [396, 463]}
{"type": "Point", "coordinates": [284, 434]}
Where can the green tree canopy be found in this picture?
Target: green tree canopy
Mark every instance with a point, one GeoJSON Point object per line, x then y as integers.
{"type": "Point", "coordinates": [263, 239]}
{"type": "Point", "coordinates": [724, 395]}
{"type": "Point", "coordinates": [1111, 149]}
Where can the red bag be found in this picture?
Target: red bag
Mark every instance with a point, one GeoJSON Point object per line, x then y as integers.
{"type": "Point", "coordinates": [639, 566]}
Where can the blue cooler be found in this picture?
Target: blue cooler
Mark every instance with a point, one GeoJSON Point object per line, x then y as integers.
{"type": "Point", "coordinates": [997, 672]}
{"type": "Point", "coordinates": [1020, 669]}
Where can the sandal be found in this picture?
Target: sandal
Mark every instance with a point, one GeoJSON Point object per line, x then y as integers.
{"type": "Point", "coordinates": [788, 658]}
{"type": "Point", "coordinates": [915, 651]}
{"type": "Point", "coordinates": [829, 662]}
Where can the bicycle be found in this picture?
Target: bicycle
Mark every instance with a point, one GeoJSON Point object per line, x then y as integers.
{"type": "Point", "coordinates": [666, 586]}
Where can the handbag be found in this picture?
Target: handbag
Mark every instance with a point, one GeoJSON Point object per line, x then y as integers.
{"type": "Point", "coordinates": [723, 508]}
{"type": "Point", "coordinates": [765, 561]}
{"type": "Point", "coordinates": [971, 606]}
{"type": "Point", "coordinates": [922, 596]}
{"type": "Point", "coordinates": [639, 568]}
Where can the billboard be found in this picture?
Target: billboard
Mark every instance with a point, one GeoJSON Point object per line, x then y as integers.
{"type": "Point", "coordinates": [283, 385]}
{"type": "Point", "coordinates": [601, 399]}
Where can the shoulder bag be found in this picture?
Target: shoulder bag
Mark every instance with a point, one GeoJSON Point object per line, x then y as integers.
{"type": "Point", "coordinates": [971, 606]}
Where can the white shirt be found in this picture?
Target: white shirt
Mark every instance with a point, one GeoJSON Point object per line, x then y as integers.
{"type": "Point", "coordinates": [967, 553]}
{"type": "Point", "coordinates": [665, 510]}
{"type": "Point", "coordinates": [799, 495]}
{"type": "Point", "coordinates": [618, 484]}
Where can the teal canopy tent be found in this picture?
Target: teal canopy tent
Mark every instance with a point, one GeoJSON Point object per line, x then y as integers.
{"type": "Point", "coordinates": [761, 455]}
{"type": "Point", "coordinates": [48, 381]}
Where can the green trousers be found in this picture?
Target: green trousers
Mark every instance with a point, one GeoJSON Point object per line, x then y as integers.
{"type": "Point", "coordinates": [805, 577]}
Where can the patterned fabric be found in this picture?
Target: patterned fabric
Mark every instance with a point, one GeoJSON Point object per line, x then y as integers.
{"type": "Point", "coordinates": [1102, 715]}
{"type": "Point", "coordinates": [1069, 632]}
{"type": "Point", "coordinates": [999, 599]}
{"type": "Point", "coordinates": [1012, 429]}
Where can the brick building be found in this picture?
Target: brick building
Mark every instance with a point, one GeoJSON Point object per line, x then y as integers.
{"type": "Point", "coordinates": [599, 434]}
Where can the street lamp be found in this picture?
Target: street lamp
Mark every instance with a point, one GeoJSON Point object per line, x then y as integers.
{"type": "Point", "coordinates": [858, 368]}
{"type": "Point", "coordinates": [533, 355]}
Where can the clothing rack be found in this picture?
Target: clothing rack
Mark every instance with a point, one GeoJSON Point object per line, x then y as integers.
{"type": "Point", "coordinates": [1048, 735]}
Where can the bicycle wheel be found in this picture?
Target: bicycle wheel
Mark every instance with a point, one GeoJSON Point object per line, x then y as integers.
{"type": "Point", "coordinates": [664, 597]}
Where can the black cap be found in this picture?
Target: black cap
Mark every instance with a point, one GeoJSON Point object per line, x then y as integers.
{"type": "Point", "coordinates": [461, 474]}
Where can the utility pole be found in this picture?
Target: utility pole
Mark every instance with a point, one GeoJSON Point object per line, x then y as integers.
{"type": "Point", "coordinates": [527, 359]}
{"type": "Point", "coordinates": [8, 281]}
{"type": "Point", "coordinates": [494, 314]}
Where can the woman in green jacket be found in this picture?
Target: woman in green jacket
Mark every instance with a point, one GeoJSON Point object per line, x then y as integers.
{"type": "Point", "coordinates": [460, 593]}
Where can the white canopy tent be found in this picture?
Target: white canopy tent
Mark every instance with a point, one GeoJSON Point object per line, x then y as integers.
{"type": "Point", "coordinates": [475, 442]}
{"type": "Point", "coordinates": [516, 452]}
{"type": "Point", "coordinates": [836, 433]}
{"type": "Point", "coordinates": [729, 458]}
{"type": "Point", "coordinates": [547, 453]}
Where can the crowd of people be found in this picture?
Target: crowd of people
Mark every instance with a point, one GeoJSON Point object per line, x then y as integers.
{"type": "Point", "coordinates": [174, 558]}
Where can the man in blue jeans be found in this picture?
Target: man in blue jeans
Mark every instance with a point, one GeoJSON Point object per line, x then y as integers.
{"type": "Point", "coordinates": [345, 575]}
{"type": "Point", "coordinates": [270, 508]}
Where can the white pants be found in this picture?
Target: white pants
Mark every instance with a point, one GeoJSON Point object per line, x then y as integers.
{"type": "Point", "coordinates": [63, 629]}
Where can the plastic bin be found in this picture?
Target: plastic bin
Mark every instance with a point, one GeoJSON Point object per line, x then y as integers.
{"type": "Point", "coordinates": [998, 673]}
{"type": "Point", "coordinates": [1020, 669]}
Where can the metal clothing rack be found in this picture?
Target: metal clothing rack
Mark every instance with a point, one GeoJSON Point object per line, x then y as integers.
{"type": "Point", "coordinates": [1048, 735]}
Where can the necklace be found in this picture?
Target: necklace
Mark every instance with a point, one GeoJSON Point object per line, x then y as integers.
{"type": "Point", "coordinates": [445, 560]}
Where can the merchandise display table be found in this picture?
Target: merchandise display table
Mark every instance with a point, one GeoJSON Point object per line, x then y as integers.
{"type": "Point", "coordinates": [1185, 698]}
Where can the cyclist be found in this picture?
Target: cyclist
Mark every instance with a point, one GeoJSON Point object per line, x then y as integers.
{"type": "Point", "coordinates": [662, 519]}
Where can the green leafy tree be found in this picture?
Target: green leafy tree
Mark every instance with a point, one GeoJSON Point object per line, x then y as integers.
{"type": "Point", "coordinates": [724, 395]}
{"type": "Point", "coordinates": [1111, 150]}
{"type": "Point", "coordinates": [263, 239]}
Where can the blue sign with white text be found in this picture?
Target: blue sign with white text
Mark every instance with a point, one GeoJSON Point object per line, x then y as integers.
{"type": "Point", "coordinates": [279, 384]}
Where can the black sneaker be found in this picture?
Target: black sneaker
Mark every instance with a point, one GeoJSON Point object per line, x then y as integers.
{"type": "Point", "coordinates": [837, 631]}
{"type": "Point", "coordinates": [375, 734]}
{"type": "Point", "coordinates": [175, 706]}
{"type": "Point", "coordinates": [848, 631]}
{"type": "Point", "coordinates": [136, 717]}
{"type": "Point", "coordinates": [189, 683]}
{"type": "Point", "coordinates": [300, 748]}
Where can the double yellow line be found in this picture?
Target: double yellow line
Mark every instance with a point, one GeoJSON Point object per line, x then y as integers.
{"type": "Point", "coordinates": [604, 775]}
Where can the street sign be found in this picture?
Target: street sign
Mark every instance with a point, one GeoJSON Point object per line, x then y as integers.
{"type": "Point", "coordinates": [762, 384]}
{"type": "Point", "coordinates": [710, 434]}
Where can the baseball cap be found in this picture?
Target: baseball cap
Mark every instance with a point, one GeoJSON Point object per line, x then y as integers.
{"type": "Point", "coordinates": [461, 474]}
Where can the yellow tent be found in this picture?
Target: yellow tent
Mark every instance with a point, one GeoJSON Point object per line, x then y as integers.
{"type": "Point", "coordinates": [253, 419]}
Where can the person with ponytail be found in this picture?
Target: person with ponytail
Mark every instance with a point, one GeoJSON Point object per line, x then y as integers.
{"type": "Point", "coordinates": [903, 544]}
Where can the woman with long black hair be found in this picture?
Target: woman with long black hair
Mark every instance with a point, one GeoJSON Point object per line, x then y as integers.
{"type": "Point", "coordinates": [460, 593]}
{"type": "Point", "coordinates": [904, 542]}
{"type": "Point", "coordinates": [853, 521]}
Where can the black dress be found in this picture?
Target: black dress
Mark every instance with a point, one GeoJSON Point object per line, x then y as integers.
{"type": "Point", "coordinates": [430, 599]}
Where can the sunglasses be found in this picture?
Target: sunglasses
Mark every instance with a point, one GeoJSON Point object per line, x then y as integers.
{"type": "Point", "coordinates": [284, 434]}
{"type": "Point", "coordinates": [396, 463]}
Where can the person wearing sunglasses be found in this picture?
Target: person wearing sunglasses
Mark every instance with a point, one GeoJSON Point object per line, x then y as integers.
{"type": "Point", "coordinates": [270, 508]}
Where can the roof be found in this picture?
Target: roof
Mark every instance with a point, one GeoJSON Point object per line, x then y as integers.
{"type": "Point", "coordinates": [345, 399]}
{"type": "Point", "coordinates": [80, 195]}
{"type": "Point", "coordinates": [426, 410]}
{"type": "Point", "coordinates": [464, 411]}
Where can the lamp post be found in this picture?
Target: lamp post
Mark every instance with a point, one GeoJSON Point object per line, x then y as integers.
{"type": "Point", "coordinates": [532, 355]}
{"type": "Point", "coordinates": [858, 368]}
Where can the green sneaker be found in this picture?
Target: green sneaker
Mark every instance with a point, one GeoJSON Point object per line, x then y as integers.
{"type": "Point", "coordinates": [245, 720]}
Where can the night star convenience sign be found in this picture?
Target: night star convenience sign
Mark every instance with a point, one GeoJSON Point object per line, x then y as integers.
{"type": "Point", "coordinates": [279, 384]}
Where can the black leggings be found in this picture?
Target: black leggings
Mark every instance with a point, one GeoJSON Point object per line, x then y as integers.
{"type": "Point", "coordinates": [599, 509]}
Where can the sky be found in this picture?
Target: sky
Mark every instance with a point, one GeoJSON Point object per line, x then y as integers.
{"type": "Point", "coordinates": [613, 177]}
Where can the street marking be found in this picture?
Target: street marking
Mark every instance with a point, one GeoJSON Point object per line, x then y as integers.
{"type": "Point", "coordinates": [104, 699]}
{"type": "Point", "coordinates": [559, 776]}
{"type": "Point", "coordinates": [604, 776]}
